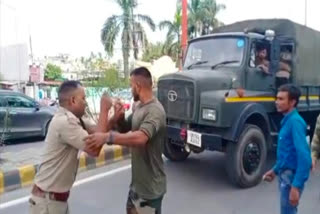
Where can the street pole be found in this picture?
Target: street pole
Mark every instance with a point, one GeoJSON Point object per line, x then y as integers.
{"type": "Point", "coordinates": [31, 51]}
{"type": "Point", "coordinates": [134, 36]}
{"type": "Point", "coordinates": [305, 12]}
{"type": "Point", "coordinates": [17, 51]}
{"type": "Point", "coordinates": [184, 27]}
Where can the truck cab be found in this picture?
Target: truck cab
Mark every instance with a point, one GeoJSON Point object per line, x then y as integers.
{"type": "Point", "coordinates": [223, 100]}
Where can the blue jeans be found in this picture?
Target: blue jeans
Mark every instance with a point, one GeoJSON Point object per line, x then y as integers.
{"type": "Point", "coordinates": [285, 180]}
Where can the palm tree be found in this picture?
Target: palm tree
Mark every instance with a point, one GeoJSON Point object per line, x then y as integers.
{"type": "Point", "coordinates": [210, 11]}
{"type": "Point", "coordinates": [132, 31]}
{"type": "Point", "coordinates": [195, 17]}
{"type": "Point", "coordinates": [172, 43]}
{"type": "Point", "coordinates": [153, 51]}
{"type": "Point", "coordinates": [202, 16]}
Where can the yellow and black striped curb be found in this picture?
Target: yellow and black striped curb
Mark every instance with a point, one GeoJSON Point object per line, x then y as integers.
{"type": "Point", "coordinates": [23, 176]}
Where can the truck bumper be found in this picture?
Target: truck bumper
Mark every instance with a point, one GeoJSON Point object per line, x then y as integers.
{"type": "Point", "coordinates": [211, 142]}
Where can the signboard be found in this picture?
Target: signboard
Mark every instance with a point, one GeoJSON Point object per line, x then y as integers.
{"type": "Point", "coordinates": [34, 73]}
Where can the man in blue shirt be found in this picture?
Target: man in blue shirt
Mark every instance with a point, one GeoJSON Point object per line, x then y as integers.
{"type": "Point", "coordinates": [293, 153]}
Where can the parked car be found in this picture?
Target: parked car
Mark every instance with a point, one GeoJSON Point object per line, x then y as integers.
{"type": "Point", "coordinates": [22, 117]}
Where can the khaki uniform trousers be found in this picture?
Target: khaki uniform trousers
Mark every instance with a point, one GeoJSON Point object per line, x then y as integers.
{"type": "Point", "coordinates": [39, 205]}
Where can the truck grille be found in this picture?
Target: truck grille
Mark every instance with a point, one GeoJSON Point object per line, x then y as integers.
{"type": "Point", "coordinates": [177, 98]}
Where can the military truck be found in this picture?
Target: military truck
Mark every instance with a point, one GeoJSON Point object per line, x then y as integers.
{"type": "Point", "coordinates": [222, 101]}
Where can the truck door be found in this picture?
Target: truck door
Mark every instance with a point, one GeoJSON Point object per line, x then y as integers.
{"type": "Point", "coordinates": [260, 74]}
{"type": "Point", "coordinates": [285, 67]}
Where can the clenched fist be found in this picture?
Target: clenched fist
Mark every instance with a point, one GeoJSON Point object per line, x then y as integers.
{"type": "Point", "coordinates": [105, 102]}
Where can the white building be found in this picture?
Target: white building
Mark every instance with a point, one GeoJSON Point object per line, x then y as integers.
{"type": "Point", "coordinates": [71, 68]}
{"type": "Point", "coordinates": [13, 46]}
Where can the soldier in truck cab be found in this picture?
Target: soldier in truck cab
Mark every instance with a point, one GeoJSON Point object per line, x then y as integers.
{"type": "Point", "coordinates": [261, 60]}
{"type": "Point", "coordinates": [283, 74]}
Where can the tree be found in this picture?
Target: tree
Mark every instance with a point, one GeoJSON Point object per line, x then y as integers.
{"type": "Point", "coordinates": [132, 31]}
{"type": "Point", "coordinates": [172, 44]}
{"type": "Point", "coordinates": [202, 16]}
{"type": "Point", "coordinates": [5, 124]}
{"type": "Point", "coordinates": [96, 63]}
{"type": "Point", "coordinates": [52, 72]}
{"type": "Point", "coordinates": [109, 79]}
{"type": "Point", "coordinates": [153, 51]}
{"type": "Point", "coordinates": [195, 17]}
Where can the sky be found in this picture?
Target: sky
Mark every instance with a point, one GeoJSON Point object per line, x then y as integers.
{"type": "Point", "coordinates": [73, 26]}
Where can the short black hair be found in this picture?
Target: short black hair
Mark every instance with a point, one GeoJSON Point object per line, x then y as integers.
{"type": "Point", "coordinates": [143, 72]}
{"type": "Point", "coordinates": [261, 48]}
{"type": "Point", "coordinates": [294, 92]}
{"type": "Point", "coordinates": [66, 87]}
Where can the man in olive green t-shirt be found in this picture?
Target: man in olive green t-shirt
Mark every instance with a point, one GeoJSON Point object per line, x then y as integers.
{"type": "Point", "coordinates": [146, 139]}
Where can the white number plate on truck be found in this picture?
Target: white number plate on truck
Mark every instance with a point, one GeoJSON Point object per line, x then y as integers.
{"type": "Point", "coordinates": [194, 138]}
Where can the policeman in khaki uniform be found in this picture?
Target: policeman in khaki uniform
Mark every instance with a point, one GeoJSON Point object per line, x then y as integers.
{"type": "Point", "coordinates": [315, 145]}
{"type": "Point", "coordinates": [58, 169]}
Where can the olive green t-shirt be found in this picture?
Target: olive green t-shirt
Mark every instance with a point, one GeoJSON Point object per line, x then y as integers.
{"type": "Point", "coordinates": [148, 177]}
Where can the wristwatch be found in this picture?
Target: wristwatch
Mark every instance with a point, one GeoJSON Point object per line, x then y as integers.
{"type": "Point", "coordinates": [110, 138]}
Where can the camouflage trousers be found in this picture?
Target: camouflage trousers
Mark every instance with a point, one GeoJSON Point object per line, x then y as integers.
{"type": "Point", "coordinates": [137, 205]}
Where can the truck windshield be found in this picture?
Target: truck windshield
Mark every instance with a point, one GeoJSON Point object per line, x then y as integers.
{"type": "Point", "coordinates": [210, 52]}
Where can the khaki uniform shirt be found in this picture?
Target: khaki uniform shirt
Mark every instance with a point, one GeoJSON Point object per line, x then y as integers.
{"type": "Point", "coordinates": [315, 145]}
{"type": "Point", "coordinates": [59, 165]}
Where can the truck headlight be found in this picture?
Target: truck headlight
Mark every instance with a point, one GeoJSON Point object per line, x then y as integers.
{"type": "Point", "coordinates": [209, 114]}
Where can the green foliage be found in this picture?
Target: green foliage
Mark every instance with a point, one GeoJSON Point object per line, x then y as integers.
{"type": "Point", "coordinates": [111, 80]}
{"type": "Point", "coordinates": [6, 125]}
{"type": "Point", "coordinates": [201, 20]}
{"type": "Point", "coordinates": [128, 27]}
{"type": "Point", "coordinates": [153, 51]}
{"type": "Point", "coordinates": [100, 73]}
{"type": "Point", "coordinates": [95, 63]}
{"type": "Point", "coordinates": [53, 72]}
{"type": "Point", "coordinates": [171, 46]}
{"type": "Point", "coordinates": [202, 17]}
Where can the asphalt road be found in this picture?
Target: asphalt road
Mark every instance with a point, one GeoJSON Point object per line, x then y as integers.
{"type": "Point", "coordinates": [198, 185]}
{"type": "Point", "coordinates": [20, 145]}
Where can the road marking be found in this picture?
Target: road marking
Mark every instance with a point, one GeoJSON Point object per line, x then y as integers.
{"type": "Point", "coordinates": [77, 183]}
{"type": "Point", "coordinates": [14, 202]}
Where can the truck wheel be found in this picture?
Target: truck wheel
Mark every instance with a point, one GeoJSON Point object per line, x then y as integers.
{"type": "Point", "coordinates": [246, 159]}
{"type": "Point", "coordinates": [174, 152]}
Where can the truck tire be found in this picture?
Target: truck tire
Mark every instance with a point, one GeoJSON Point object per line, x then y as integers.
{"type": "Point", "coordinates": [174, 152]}
{"type": "Point", "coordinates": [246, 159]}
